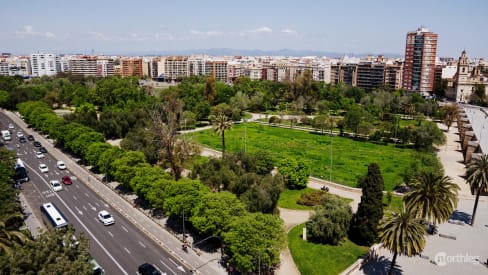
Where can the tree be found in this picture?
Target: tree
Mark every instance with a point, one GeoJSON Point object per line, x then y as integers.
{"type": "Point", "coordinates": [295, 173]}
{"type": "Point", "coordinates": [320, 122]}
{"type": "Point", "coordinates": [448, 114]}
{"type": "Point", "coordinates": [364, 224]}
{"type": "Point", "coordinates": [433, 197]}
{"type": "Point", "coordinates": [54, 252]}
{"type": "Point", "coordinates": [210, 90]}
{"type": "Point", "coordinates": [183, 195]}
{"type": "Point", "coordinates": [330, 221]}
{"type": "Point", "coordinates": [255, 240]}
{"type": "Point", "coordinates": [426, 135]}
{"type": "Point", "coordinates": [215, 212]}
{"type": "Point", "coordinates": [9, 235]}
{"type": "Point", "coordinates": [262, 196]}
{"type": "Point", "coordinates": [477, 178]}
{"type": "Point", "coordinates": [402, 233]}
{"type": "Point", "coordinates": [166, 122]}
{"type": "Point", "coordinates": [126, 166]}
{"type": "Point", "coordinates": [221, 124]}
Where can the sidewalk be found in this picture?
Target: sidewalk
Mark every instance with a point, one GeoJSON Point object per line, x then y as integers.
{"type": "Point", "coordinates": [31, 222]}
{"type": "Point", "coordinates": [205, 263]}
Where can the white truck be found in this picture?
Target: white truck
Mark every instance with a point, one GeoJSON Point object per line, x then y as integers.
{"type": "Point", "coordinates": [6, 135]}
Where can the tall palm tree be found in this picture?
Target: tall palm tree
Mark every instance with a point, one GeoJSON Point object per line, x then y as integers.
{"type": "Point", "coordinates": [477, 177]}
{"type": "Point", "coordinates": [221, 124]}
{"type": "Point", "coordinates": [433, 197]}
{"type": "Point", "coordinates": [402, 233]}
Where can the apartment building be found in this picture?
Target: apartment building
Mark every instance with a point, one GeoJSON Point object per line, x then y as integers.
{"type": "Point", "coordinates": [131, 67]}
{"type": "Point", "coordinates": [419, 66]}
{"type": "Point", "coordinates": [175, 67]}
{"type": "Point", "coordinates": [217, 68]}
{"type": "Point", "coordinates": [91, 66]}
{"type": "Point", "coordinates": [83, 66]}
{"type": "Point", "coordinates": [44, 64]}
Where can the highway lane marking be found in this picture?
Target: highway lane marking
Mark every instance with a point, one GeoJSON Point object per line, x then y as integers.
{"type": "Point", "coordinates": [142, 244]}
{"type": "Point", "coordinates": [77, 186]}
{"type": "Point", "coordinates": [125, 248]}
{"type": "Point", "coordinates": [92, 207]}
{"type": "Point", "coordinates": [112, 235]}
{"type": "Point", "coordinates": [83, 225]}
{"type": "Point", "coordinates": [167, 267]}
{"type": "Point", "coordinates": [125, 229]}
{"type": "Point", "coordinates": [75, 198]}
{"type": "Point", "coordinates": [84, 207]}
{"type": "Point", "coordinates": [97, 204]}
{"type": "Point", "coordinates": [171, 260]}
{"type": "Point", "coordinates": [79, 211]}
{"type": "Point", "coordinates": [87, 195]}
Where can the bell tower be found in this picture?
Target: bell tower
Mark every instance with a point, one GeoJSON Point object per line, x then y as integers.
{"type": "Point", "coordinates": [463, 68]}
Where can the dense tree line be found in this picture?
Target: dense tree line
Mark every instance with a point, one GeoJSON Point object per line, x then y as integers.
{"type": "Point", "coordinates": [210, 213]}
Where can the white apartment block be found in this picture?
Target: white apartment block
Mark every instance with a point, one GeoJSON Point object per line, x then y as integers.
{"type": "Point", "coordinates": [15, 65]}
{"type": "Point", "coordinates": [44, 64]}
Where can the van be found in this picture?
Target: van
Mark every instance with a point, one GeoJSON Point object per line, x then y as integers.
{"type": "Point", "coordinates": [6, 135]}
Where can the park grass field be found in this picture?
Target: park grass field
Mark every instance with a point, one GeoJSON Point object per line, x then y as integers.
{"type": "Point", "coordinates": [350, 158]}
{"type": "Point", "coordinates": [313, 258]}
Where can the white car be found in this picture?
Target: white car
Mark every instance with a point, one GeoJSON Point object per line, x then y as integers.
{"type": "Point", "coordinates": [56, 185]}
{"type": "Point", "coordinates": [105, 217]}
{"type": "Point", "coordinates": [43, 167]}
{"type": "Point", "coordinates": [39, 155]}
{"type": "Point", "coordinates": [11, 126]}
{"type": "Point", "coordinates": [20, 134]}
{"type": "Point", "coordinates": [60, 165]}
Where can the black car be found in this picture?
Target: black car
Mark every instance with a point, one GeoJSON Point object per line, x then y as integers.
{"type": "Point", "coordinates": [22, 140]}
{"type": "Point", "coordinates": [37, 144]}
{"type": "Point", "coordinates": [30, 137]}
{"type": "Point", "coordinates": [43, 150]}
{"type": "Point", "coordinates": [148, 269]}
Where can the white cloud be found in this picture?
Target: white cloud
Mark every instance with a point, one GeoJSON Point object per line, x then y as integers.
{"type": "Point", "coordinates": [263, 29]}
{"type": "Point", "coordinates": [50, 35]}
{"type": "Point", "coordinates": [99, 36]}
{"type": "Point", "coordinates": [211, 33]}
{"type": "Point", "coordinates": [288, 31]}
{"type": "Point", "coordinates": [164, 36]}
{"type": "Point", "coordinates": [28, 30]}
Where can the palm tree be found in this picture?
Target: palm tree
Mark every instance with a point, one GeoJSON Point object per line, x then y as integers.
{"type": "Point", "coordinates": [402, 233]}
{"type": "Point", "coordinates": [477, 177]}
{"type": "Point", "coordinates": [9, 237]}
{"type": "Point", "coordinates": [433, 197]}
{"type": "Point", "coordinates": [221, 124]}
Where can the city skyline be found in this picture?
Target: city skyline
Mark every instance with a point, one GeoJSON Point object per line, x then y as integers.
{"type": "Point", "coordinates": [355, 27]}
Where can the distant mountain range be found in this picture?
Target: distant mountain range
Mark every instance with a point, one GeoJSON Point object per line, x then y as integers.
{"type": "Point", "coordinates": [255, 52]}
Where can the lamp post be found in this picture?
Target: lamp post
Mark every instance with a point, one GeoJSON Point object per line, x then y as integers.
{"type": "Point", "coordinates": [330, 171]}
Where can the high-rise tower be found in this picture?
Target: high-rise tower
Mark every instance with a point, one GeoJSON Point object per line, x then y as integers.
{"type": "Point", "coordinates": [419, 67]}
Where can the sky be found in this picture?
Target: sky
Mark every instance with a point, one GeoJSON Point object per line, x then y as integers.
{"type": "Point", "coordinates": [145, 26]}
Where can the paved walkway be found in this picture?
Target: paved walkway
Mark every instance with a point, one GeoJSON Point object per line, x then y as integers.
{"type": "Point", "coordinates": [152, 227]}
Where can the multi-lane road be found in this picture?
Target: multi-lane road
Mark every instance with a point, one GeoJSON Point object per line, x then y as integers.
{"type": "Point", "coordinates": [119, 248]}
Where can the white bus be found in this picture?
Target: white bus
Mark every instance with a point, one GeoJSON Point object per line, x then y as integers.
{"type": "Point", "coordinates": [54, 217]}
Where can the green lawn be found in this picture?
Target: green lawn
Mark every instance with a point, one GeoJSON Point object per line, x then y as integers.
{"type": "Point", "coordinates": [395, 205]}
{"type": "Point", "coordinates": [312, 258]}
{"type": "Point", "coordinates": [350, 158]}
{"type": "Point", "coordinates": [288, 199]}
